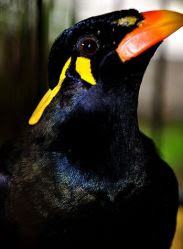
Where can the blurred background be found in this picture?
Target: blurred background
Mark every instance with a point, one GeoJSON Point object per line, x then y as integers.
{"type": "Point", "coordinates": [27, 30]}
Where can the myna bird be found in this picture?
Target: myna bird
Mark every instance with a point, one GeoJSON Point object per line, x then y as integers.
{"type": "Point", "coordinates": [86, 176]}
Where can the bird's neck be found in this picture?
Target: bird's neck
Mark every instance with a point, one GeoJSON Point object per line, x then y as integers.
{"type": "Point", "coordinates": [102, 141]}
{"type": "Point", "coordinates": [102, 137]}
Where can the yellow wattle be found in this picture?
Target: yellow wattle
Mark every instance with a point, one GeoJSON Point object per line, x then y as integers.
{"type": "Point", "coordinates": [83, 68]}
{"type": "Point", "coordinates": [47, 98]}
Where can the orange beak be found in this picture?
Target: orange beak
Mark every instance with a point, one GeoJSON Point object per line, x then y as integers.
{"type": "Point", "coordinates": [156, 26]}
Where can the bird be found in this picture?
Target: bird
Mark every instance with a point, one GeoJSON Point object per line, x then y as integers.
{"type": "Point", "coordinates": [83, 174]}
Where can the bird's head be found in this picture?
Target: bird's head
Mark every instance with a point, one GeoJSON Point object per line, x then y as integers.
{"type": "Point", "coordinates": [107, 52]}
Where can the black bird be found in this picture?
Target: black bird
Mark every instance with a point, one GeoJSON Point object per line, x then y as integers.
{"type": "Point", "coordinates": [84, 175]}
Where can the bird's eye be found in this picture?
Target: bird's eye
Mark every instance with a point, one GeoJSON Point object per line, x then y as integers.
{"type": "Point", "coordinates": [87, 45]}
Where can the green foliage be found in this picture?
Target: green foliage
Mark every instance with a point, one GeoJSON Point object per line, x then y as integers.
{"type": "Point", "coordinates": [171, 147]}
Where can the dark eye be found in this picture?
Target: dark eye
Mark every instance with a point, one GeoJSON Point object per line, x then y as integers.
{"type": "Point", "coordinates": [87, 45]}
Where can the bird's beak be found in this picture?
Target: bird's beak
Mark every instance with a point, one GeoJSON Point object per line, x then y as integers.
{"type": "Point", "coordinates": [155, 27]}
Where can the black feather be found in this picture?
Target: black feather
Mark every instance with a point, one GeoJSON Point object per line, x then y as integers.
{"type": "Point", "coordinates": [86, 177]}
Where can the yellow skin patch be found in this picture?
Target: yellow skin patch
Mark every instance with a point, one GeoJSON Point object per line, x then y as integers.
{"type": "Point", "coordinates": [83, 68]}
{"type": "Point", "coordinates": [49, 95]}
{"type": "Point", "coordinates": [126, 21]}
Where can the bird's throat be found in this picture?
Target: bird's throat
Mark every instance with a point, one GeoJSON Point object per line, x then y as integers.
{"type": "Point", "coordinates": [102, 141]}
